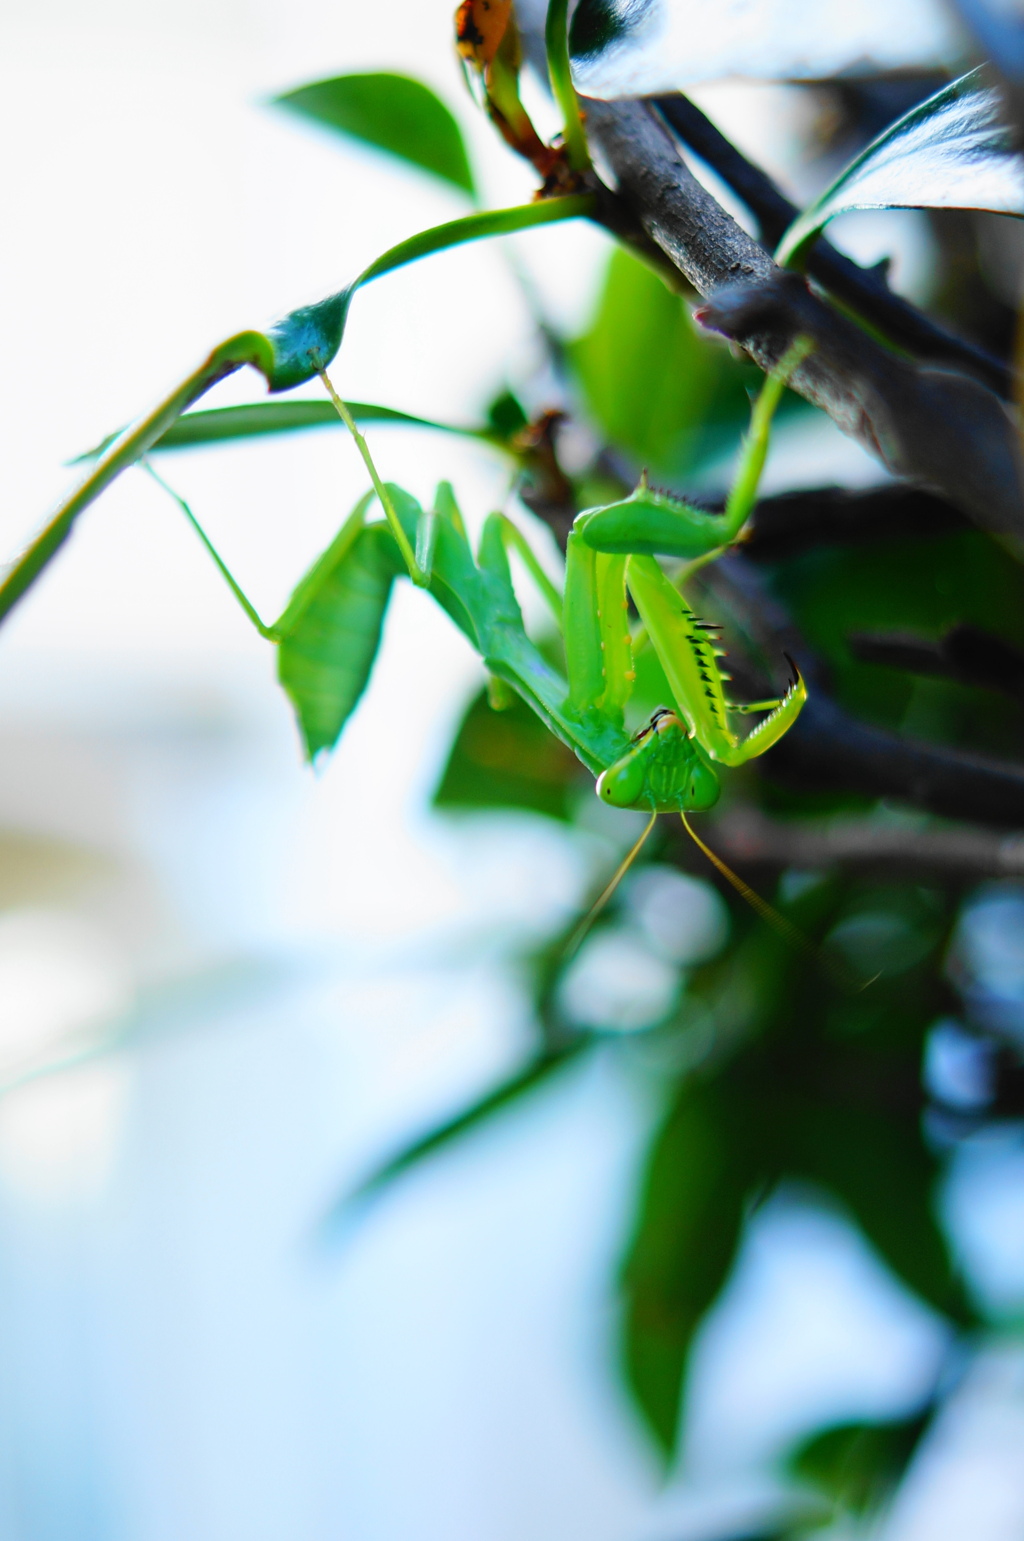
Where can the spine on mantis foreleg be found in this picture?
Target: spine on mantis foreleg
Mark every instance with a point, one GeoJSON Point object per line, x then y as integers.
{"type": "Point", "coordinates": [686, 649]}
{"type": "Point", "coordinates": [779, 721]}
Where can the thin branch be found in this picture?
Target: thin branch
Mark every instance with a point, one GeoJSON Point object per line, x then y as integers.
{"type": "Point", "coordinates": [828, 748]}
{"type": "Point", "coordinates": [937, 429]}
{"type": "Point", "coordinates": [748, 837]}
{"type": "Point", "coordinates": [793, 522]}
{"type": "Point", "coordinates": [865, 290]}
{"type": "Point", "coordinates": [965, 654]}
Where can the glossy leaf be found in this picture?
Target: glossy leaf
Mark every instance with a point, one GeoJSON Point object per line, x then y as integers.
{"type": "Point", "coordinates": [393, 113]}
{"type": "Point", "coordinates": [700, 1173]}
{"type": "Point", "coordinates": [475, 227]}
{"type": "Point", "coordinates": [953, 151]}
{"type": "Point", "coordinates": [307, 339]}
{"type": "Point", "coordinates": [645, 47]}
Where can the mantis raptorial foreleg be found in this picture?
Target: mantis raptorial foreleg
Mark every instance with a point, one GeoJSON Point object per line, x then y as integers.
{"type": "Point", "coordinates": [653, 523]}
{"type": "Point", "coordinates": [649, 523]}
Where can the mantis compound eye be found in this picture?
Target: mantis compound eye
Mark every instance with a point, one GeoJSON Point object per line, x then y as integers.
{"type": "Point", "coordinates": [703, 789]}
{"type": "Point", "coordinates": [622, 784]}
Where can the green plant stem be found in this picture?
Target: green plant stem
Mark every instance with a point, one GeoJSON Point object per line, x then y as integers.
{"type": "Point", "coordinates": [556, 41]}
{"type": "Point", "coordinates": [416, 572]}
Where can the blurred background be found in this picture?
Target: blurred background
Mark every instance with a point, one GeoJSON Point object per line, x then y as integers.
{"type": "Point", "coordinates": [230, 985]}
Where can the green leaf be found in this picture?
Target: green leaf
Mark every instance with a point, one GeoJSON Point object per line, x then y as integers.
{"type": "Point", "coordinates": [508, 759]}
{"type": "Point", "coordinates": [953, 151]}
{"type": "Point", "coordinates": [653, 384]}
{"type": "Point", "coordinates": [879, 1167]}
{"type": "Point", "coordinates": [331, 629]}
{"type": "Point", "coordinates": [700, 1173]}
{"type": "Point", "coordinates": [505, 416]}
{"type": "Point", "coordinates": [258, 418]}
{"type": "Point", "coordinates": [307, 339]}
{"type": "Point", "coordinates": [524, 1081]}
{"type": "Point", "coordinates": [393, 113]}
{"type": "Point", "coordinates": [475, 227]}
{"type": "Point", "coordinates": [859, 1464]}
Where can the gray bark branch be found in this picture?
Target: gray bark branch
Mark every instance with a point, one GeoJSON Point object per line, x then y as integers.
{"type": "Point", "coordinates": [747, 837]}
{"type": "Point", "coordinates": [936, 428]}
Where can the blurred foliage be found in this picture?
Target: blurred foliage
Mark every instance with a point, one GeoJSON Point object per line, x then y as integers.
{"type": "Point", "coordinates": [923, 588]}
{"type": "Point", "coordinates": [508, 759]}
{"type": "Point", "coordinates": [667, 395]}
{"type": "Point", "coordinates": [806, 1077]}
{"type": "Point", "coordinates": [858, 1464]}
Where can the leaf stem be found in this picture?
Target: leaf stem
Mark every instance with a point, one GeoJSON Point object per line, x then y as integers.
{"type": "Point", "coordinates": [556, 41]}
{"type": "Point", "coordinates": [416, 573]}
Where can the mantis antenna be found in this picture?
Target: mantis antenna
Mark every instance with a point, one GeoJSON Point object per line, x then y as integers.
{"type": "Point", "coordinates": [760, 906]}
{"type": "Point", "coordinates": [779, 923]}
{"type": "Point", "coordinates": [585, 924]}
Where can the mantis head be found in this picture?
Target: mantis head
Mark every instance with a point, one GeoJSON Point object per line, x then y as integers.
{"type": "Point", "coordinates": [663, 771]}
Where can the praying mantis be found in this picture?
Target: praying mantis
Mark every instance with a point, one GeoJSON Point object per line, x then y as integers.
{"type": "Point", "coordinates": [329, 633]}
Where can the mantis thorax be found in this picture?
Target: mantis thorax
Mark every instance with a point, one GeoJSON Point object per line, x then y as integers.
{"type": "Point", "coordinates": [663, 771]}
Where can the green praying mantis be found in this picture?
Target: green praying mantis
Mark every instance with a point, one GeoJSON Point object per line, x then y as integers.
{"type": "Point", "coordinates": [329, 634]}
